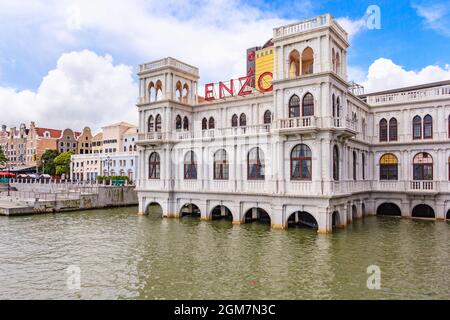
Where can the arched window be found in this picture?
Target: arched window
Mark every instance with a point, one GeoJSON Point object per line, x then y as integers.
{"type": "Point", "coordinates": [185, 93]}
{"type": "Point", "coordinates": [388, 167]}
{"type": "Point", "coordinates": [255, 164]}
{"type": "Point", "coordinates": [204, 124]}
{"type": "Point", "coordinates": [335, 163]}
{"type": "Point", "coordinates": [220, 165]}
{"type": "Point", "coordinates": [417, 127]}
{"type": "Point", "coordinates": [449, 126]}
{"type": "Point", "coordinates": [158, 123]}
{"type": "Point", "coordinates": [355, 164]}
{"type": "Point", "coordinates": [243, 120]}
{"type": "Point", "coordinates": [267, 117]}
{"type": "Point", "coordinates": [234, 120]}
{"type": "Point", "coordinates": [338, 63]}
{"type": "Point", "coordinates": [294, 64]}
{"type": "Point", "coordinates": [301, 163]}
{"type": "Point", "coordinates": [427, 127]}
{"type": "Point", "coordinates": [190, 165]}
{"type": "Point", "coordinates": [294, 106]}
{"type": "Point", "coordinates": [151, 124]}
{"type": "Point", "coordinates": [308, 105]}
{"type": "Point", "coordinates": [307, 61]}
{"type": "Point", "coordinates": [338, 107]}
{"type": "Point", "coordinates": [363, 164]}
{"type": "Point", "coordinates": [151, 92]}
{"type": "Point", "coordinates": [178, 122]}
{"type": "Point", "coordinates": [178, 91]}
{"type": "Point", "coordinates": [383, 130]}
{"type": "Point", "coordinates": [185, 123]}
{"type": "Point", "coordinates": [211, 123]}
{"type": "Point", "coordinates": [449, 169]}
{"type": "Point", "coordinates": [158, 95]}
{"type": "Point", "coordinates": [154, 166]}
{"type": "Point", "coordinates": [333, 59]}
{"type": "Point", "coordinates": [423, 166]}
{"type": "Point", "coordinates": [393, 129]}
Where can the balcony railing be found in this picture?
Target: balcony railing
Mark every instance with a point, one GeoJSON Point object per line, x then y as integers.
{"type": "Point", "coordinates": [296, 123]}
{"type": "Point", "coordinates": [168, 62]}
{"type": "Point", "coordinates": [442, 92]}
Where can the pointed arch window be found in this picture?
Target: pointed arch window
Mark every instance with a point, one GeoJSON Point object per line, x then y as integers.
{"type": "Point", "coordinates": [190, 166]}
{"type": "Point", "coordinates": [308, 105]}
{"type": "Point", "coordinates": [243, 120]}
{"type": "Point", "coordinates": [427, 127]}
{"type": "Point", "coordinates": [301, 163]}
{"type": "Point", "coordinates": [185, 123]}
{"type": "Point", "coordinates": [211, 123]}
{"type": "Point", "coordinates": [154, 166]}
{"type": "Point", "coordinates": [393, 129]}
{"type": "Point", "coordinates": [294, 106]}
{"type": "Point", "coordinates": [417, 127]}
{"type": "Point", "coordinates": [255, 164]}
{"type": "Point", "coordinates": [383, 130]}
{"type": "Point", "coordinates": [234, 120]}
{"type": "Point", "coordinates": [151, 124]}
{"type": "Point", "coordinates": [158, 123]}
{"type": "Point", "coordinates": [363, 166]}
{"type": "Point", "coordinates": [178, 123]}
{"type": "Point", "coordinates": [335, 163]}
{"type": "Point", "coordinates": [307, 61]}
{"type": "Point", "coordinates": [267, 117]}
{"type": "Point", "coordinates": [204, 124]}
{"type": "Point", "coordinates": [355, 164]}
{"type": "Point", "coordinates": [220, 165]}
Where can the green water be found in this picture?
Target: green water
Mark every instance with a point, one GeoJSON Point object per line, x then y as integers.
{"type": "Point", "coordinates": [122, 255]}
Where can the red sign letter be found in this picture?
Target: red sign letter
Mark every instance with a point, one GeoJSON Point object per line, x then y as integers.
{"type": "Point", "coordinates": [209, 92]}
{"type": "Point", "coordinates": [244, 92]}
{"type": "Point", "coordinates": [229, 90]}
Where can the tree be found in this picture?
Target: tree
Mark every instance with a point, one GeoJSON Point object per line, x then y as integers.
{"type": "Point", "coordinates": [3, 158]}
{"type": "Point", "coordinates": [62, 163]}
{"type": "Point", "coordinates": [48, 165]}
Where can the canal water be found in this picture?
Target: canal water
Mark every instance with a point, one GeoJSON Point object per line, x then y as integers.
{"type": "Point", "coordinates": [121, 255]}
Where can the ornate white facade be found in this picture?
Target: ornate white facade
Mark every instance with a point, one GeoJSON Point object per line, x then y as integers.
{"type": "Point", "coordinates": [320, 145]}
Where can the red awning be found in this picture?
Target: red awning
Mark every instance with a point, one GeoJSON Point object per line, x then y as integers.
{"type": "Point", "coordinates": [7, 174]}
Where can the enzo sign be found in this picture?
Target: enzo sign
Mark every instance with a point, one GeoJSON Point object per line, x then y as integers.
{"type": "Point", "coordinates": [240, 87]}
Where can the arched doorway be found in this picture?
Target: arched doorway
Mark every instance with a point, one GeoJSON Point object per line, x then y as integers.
{"type": "Point", "coordinates": [354, 212]}
{"type": "Point", "coordinates": [423, 211]}
{"type": "Point", "coordinates": [335, 220]}
{"type": "Point", "coordinates": [448, 215]}
{"type": "Point", "coordinates": [302, 219]}
{"type": "Point", "coordinates": [258, 215]}
{"type": "Point", "coordinates": [191, 210]}
{"type": "Point", "coordinates": [389, 209]}
{"type": "Point", "coordinates": [154, 209]}
{"type": "Point", "coordinates": [221, 213]}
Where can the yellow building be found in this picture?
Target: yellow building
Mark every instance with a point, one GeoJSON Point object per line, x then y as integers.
{"type": "Point", "coordinates": [264, 63]}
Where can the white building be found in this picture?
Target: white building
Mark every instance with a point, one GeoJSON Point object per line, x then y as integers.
{"type": "Point", "coordinates": [114, 155]}
{"type": "Point", "coordinates": [309, 151]}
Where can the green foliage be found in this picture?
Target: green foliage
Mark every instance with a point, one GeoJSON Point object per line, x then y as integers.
{"type": "Point", "coordinates": [3, 158]}
{"type": "Point", "coordinates": [62, 163]}
{"type": "Point", "coordinates": [48, 165]}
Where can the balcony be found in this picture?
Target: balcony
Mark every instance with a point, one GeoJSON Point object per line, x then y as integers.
{"type": "Point", "coordinates": [168, 62]}
{"type": "Point", "coordinates": [297, 125]}
{"type": "Point", "coordinates": [152, 138]}
{"type": "Point", "coordinates": [345, 127]}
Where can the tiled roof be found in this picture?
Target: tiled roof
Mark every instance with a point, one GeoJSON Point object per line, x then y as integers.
{"type": "Point", "coordinates": [54, 133]}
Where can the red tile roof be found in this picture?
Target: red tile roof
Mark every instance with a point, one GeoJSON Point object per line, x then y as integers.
{"type": "Point", "coordinates": [54, 133]}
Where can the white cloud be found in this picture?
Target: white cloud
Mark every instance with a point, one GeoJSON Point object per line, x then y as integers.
{"type": "Point", "coordinates": [83, 90]}
{"type": "Point", "coordinates": [384, 74]}
{"type": "Point", "coordinates": [353, 27]}
{"type": "Point", "coordinates": [436, 16]}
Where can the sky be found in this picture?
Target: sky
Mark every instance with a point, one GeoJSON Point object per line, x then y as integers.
{"type": "Point", "coordinates": [67, 63]}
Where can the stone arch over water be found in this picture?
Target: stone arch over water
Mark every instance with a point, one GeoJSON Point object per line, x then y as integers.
{"type": "Point", "coordinates": [389, 209]}
{"type": "Point", "coordinates": [423, 211]}
{"type": "Point", "coordinates": [221, 212]}
{"type": "Point", "coordinates": [302, 219]}
{"type": "Point", "coordinates": [257, 214]}
{"type": "Point", "coordinates": [154, 209]}
{"type": "Point", "coordinates": [191, 210]}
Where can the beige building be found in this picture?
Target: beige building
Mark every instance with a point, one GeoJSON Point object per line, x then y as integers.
{"type": "Point", "coordinates": [85, 141]}
{"type": "Point", "coordinates": [112, 136]}
{"type": "Point", "coordinates": [97, 143]}
{"type": "Point", "coordinates": [68, 141]}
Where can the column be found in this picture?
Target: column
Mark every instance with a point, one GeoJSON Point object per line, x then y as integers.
{"type": "Point", "coordinates": [324, 220]}
{"type": "Point", "coordinates": [277, 217]}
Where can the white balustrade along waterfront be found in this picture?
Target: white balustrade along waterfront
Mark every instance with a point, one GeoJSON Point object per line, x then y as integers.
{"type": "Point", "coordinates": [442, 92]}
{"type": "Point", "coordinates": [39, 196]}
